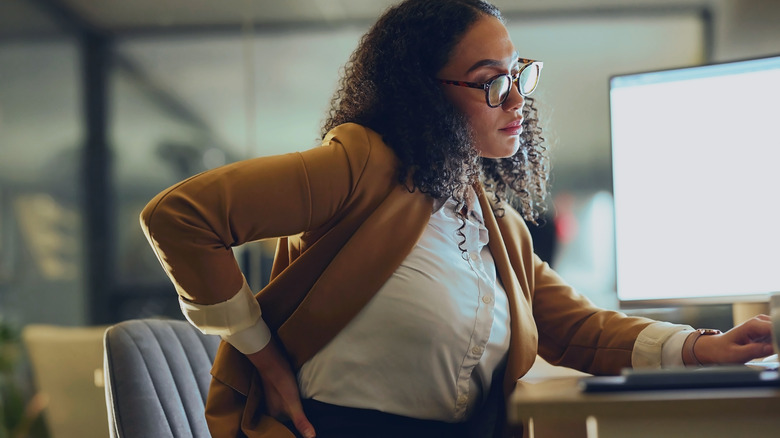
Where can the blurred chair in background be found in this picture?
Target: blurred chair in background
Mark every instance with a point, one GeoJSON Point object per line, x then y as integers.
{"type": "Point", "coordinates": [67, 366]}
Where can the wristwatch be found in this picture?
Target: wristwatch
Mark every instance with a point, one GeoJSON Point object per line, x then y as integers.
{"type": "Point", "coordinates": [688, 355]}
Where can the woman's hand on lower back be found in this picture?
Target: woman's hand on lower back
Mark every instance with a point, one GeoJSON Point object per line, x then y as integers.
{"type": "Point", "coordinates": [281, 388]}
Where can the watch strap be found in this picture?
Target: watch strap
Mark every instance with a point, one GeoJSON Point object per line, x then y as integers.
{"type": "Point", "coordinates": [688, 355]}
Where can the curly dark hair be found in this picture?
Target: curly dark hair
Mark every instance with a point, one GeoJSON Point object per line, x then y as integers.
{"type": "Point", "coordinates": [389, 85]}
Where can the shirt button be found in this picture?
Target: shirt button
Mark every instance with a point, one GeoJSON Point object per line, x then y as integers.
{"type": "Point", "coordinates": [474, 256]}
{"type": "Point", "coordinates": [487, 299]}
{"type": "Point", "coordinates": [476, 350]}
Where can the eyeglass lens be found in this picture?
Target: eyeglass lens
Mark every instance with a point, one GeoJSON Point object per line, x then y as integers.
{"type": "Point", "coordinates": [529, 77]}
{"type": "Point", "coordinates": [500, 86]}
{"type": "Point", "coordinates": [499, 90]}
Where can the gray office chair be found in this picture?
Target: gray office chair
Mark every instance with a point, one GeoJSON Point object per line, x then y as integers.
{"type": "Point", "coordinates": [157, 377]}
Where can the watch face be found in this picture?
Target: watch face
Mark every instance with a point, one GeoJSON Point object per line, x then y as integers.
{"type": "Point", "coordinates": [710, 331]}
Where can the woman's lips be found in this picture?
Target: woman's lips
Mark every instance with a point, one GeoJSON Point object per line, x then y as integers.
{"type": "Point", "coordinates": [514, 128]}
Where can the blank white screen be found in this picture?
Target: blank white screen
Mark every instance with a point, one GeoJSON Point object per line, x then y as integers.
{"type": "Point", "coordinates": [695, 171]}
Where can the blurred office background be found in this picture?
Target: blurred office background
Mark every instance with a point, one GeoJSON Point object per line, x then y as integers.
{"type": "Point", "coordinates": [105, 103]}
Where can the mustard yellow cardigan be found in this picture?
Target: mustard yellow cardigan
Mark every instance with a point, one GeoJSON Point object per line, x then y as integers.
{"type": "Point", "coordinates": [345, 224]}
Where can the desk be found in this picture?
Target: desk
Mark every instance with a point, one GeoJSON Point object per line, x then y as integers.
{"type": "Point", "coordinates": [739, 412]}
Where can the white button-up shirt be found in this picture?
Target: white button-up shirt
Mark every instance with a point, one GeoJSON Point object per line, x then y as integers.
{"type": "Point", "coordinates": [427, 343]}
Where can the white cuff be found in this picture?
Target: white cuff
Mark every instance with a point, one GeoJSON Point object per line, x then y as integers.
{"type": "Point", "coordinates": [650, 349]}
{"type": "Point", "coordinates": [672, 352]}
{"type": "Point", "coordinates": [252, 339]}
{"type": "Point", "coordinates": [237, 321]}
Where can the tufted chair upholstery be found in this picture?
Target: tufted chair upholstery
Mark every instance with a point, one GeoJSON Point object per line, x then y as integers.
{"type": "Point", "coordinates": [157, 377]}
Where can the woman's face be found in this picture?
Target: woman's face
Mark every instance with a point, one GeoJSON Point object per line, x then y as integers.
{"type": "Point", "coordinates": [484, 52]}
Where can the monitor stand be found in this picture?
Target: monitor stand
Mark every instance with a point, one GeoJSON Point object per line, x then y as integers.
{"type": "Point", "coordinates": [741, 312]}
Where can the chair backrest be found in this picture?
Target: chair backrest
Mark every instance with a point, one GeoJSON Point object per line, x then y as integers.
{"type": "Point", "coordinates": [157, 377]}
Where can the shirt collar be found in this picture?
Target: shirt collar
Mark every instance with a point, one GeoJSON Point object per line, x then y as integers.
{"type": "Point", "coordinates": [475, 209]}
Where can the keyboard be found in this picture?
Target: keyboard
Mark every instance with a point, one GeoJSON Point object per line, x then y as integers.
{"type": "Point", "coordinates": [769, 362]}
{"type": "Point", "coordinates": [721, 376]}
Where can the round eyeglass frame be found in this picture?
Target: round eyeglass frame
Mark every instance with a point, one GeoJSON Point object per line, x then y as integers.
{"type": "Point", "coordinates": [514, 80]}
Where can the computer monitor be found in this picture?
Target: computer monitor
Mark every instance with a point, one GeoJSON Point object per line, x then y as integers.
{"type": "Point", "coordinates": [696, 180]}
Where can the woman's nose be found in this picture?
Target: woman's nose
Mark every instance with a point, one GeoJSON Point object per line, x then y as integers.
{"type": "Point", "coordinates": [514, 100]}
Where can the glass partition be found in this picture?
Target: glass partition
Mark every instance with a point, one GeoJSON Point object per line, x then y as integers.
{"type": "Point", "coordinates": [41, 233]}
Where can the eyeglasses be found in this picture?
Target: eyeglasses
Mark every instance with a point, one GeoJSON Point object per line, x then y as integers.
{"type": "Point", "coordinates": [497, 88]}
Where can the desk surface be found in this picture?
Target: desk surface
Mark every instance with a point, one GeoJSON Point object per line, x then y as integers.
{"type": "Point", "coordinates": [562, 398]}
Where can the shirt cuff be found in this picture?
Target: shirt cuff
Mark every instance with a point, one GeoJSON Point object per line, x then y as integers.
{"type": "Point", "coordinates": [237, 321]}
{"type": "Point", "coordinates": [659, 345]}
{"type": "Point", "coordinates": [672, 350]}
{"type": "Point", "coordinates": [252, 339]}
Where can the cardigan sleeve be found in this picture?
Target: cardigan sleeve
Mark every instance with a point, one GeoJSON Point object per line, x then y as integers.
{"type": "Point", "coordinates": [572, 331]}
{"type": "Point", "coordinates": [193, 226]}
{"type": "Point", "coordinates": [575, 333]}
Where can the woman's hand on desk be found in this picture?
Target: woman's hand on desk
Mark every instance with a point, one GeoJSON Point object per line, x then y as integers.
{"type": "Point", "coordinates": [750, 340]}
{"type": "Point", "coordinates": [281, 388]}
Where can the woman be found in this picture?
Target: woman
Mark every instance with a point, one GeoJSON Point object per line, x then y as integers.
{"type": "Point", "coordinates": [406, 299]}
